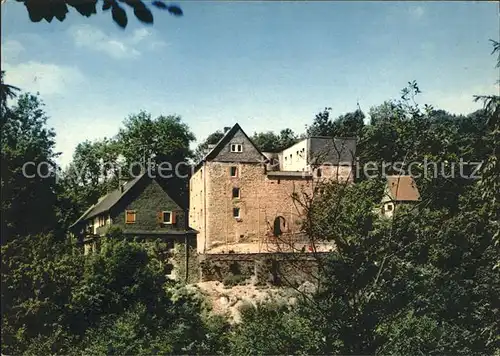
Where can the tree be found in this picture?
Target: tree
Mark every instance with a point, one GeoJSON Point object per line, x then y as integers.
{"type": "Point", "coordinates": [162, 143]}
{"type": "Point", "coordinates": [490, 174]}
{"type": "Point", "coordinates": [202, 148]}
{"type": "Point", "coordinates": [430, 270]}
{"type": "Point", "coordinates": [28, 170]}
{"type": "Point", "coordinates": [50, 9]}
{"type": "Point", "coordinates": [163, 139]}
{"type": "Point", "coordinates": [119, 300]}
{"type": "Point", "coordinates": [348, 125]}
{"type": "Point", "coordinates": [39, 273]}
{"type": "Point", "coordinates": [273, 329]}
{"type": "Point", "coordinates": [322, 124]}
{"type": "Point", "coordinates": [94, 171]}
{"type": "Point", "coordinates": [271, 142]}
{"type": "Point", "coordinates": [6, 92]}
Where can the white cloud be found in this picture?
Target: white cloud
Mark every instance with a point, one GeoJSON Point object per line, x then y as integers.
{"type": "Point", "coordinates": [46, 78]}
{"type": "Point", "coordinates": [155, 45]}
{"type": "Point", "coordinates": [11, 50]}
{"type": "Point", "coordinates": [139, 35]}
{"type": "Point", "coordinates": [69, 133]}
{"type": "Point", "coordinates": [459, 102]}
{"type": "Point", "coordinates": [87, 36]}
{"type": "Point", "coordinates": [417, 12]}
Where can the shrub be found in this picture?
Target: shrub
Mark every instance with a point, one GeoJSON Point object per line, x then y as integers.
{"type": "Point", "coordinates": [233, 280]}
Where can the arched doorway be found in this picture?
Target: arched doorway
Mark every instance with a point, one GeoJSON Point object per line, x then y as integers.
{"type": "Point", "coordinates": [279, 226]}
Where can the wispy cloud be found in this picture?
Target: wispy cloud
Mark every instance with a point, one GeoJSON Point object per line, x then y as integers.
{"type": "Point", "coordinates": [46, 78]}
{"type": "Point", "coordinates": [157, 45]}
{"type": "Point", "coordinates": [87, 36]}
{"type": "Point", "coordinates": [92, 38]}
{"type": "Point", "coordinates": [139, 35]}
{"type": "Point", "coordinates": [416, 12]}
{"type": "Point", "coordinates": [70, 133]}
{"type": "Point", "coordinates": [459, 102]}
{"type": "Point", "coordinates": [11, 50]}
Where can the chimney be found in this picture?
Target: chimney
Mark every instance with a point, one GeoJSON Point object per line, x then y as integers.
{"type": "Point", "coordinates": [121, 184]}
{"type": "Point", "coordinates": [226, 129]}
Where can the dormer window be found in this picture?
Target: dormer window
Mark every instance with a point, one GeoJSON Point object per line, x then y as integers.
{"type": "Point", "coordinates": [166, 217]}
{"type": "Point", "coordinates": [236, 147]}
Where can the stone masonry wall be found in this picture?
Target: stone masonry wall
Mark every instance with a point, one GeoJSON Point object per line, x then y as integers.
{"type": "Point", "coordinates": [196, 198]}
{"type": "Point", "coordinates": [261, 201]}
{"type": "Point", "coordinates": [260, 268]}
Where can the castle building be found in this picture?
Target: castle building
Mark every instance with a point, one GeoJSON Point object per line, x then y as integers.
{"type": "Point", "coordinates": [242, 199]}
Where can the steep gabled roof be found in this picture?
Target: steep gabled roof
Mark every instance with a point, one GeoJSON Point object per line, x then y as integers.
{"type": "Point", "coordinates": [223, 142]}
{"type": "Point", "coordinates": [402, 188]}
{"type": "Point", "coordinates": [109, 200]}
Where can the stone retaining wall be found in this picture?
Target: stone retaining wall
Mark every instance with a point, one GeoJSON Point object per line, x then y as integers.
{"type": "Point", "coordinates": [260, 268]}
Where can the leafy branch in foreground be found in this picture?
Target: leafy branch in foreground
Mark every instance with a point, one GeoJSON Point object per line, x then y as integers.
{"type": "Point", "coordinates": [49, 9]}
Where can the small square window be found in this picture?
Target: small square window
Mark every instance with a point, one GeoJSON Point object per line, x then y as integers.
{"type": "Point", "coordinates": [389, 207]}
{"type": "Point", "coordinates": [130, 216]}
{"type": "Point", "coordinates": [234, 171]}
{"type": "Point", "coordinates": [236, 192]}
{"type": "Point", "coordinates": [167, 217]}
{"type": "Point", "coordinates": [236, 212]}
{"type": "Point", "coordinates": [236, 147]}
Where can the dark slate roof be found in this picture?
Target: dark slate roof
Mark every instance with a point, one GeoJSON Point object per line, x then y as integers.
{"type": "Point", "coordinates": [335, 151]}
{"type": "Point", "coordinates": [223, 142]}
{"type": "Point", "coordinates": [109, 200]}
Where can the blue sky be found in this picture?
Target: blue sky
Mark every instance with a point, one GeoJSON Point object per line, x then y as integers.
{"type": "Point", "coordinates": [264, 65]}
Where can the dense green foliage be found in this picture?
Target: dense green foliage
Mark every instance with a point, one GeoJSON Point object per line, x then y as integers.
{"type": "Point", "coordinates": [271, 142]}
{"type": "Point", "coordinates": [28, 167]}
{"type": "Point", "coordinates": [423, 282]}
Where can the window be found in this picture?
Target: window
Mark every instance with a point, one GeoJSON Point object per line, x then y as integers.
{"type": "Point", "coordinates": [236, 147]}
{"type": "Point", "coordinates": [389, 207]}
{"type": "Point", "coordinates": [234, 171]}
{"type": "Point", "coordinates": [236, 212]}
{"type": "Point", "coordinates": [318, 173]}
{"type": "Point", "coordinates": [236, 192]}
{"type": "Point", "coordinates": [167, 217]}
{"type": "Point", "coordinates": [130, 216]}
